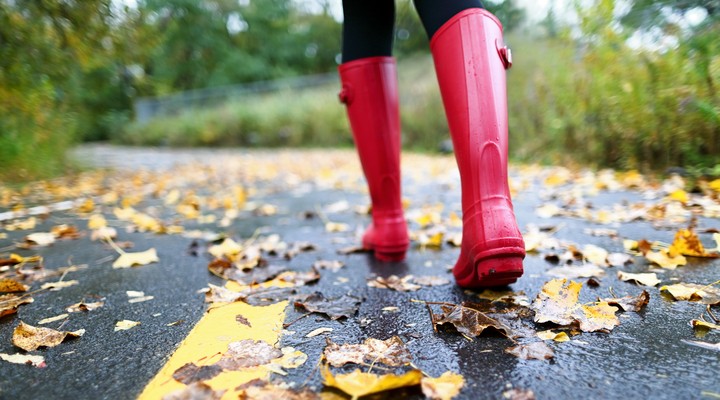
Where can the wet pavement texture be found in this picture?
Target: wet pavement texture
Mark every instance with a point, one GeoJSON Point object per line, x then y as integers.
{"type": "Point", "coordinates": [644, 357]}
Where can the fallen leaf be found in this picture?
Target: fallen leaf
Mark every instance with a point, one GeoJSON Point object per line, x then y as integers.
{"type": "Point", "coordinates": [704, 325]}
{"type": "Point", "coordinates": [27, 359]}
{"type": "Point", "coordinates": [195, 391]}
{"type": "Point", "coordinates": [391, 352]}
{"type": "Point", "coordinates": [65, 231]}
{"type": "Point", "coordinates": [557, 301]}
{"type": "Point", "coordinates": [77, 307]}
{"type": "Point", "coordinates": [40, 239]}
{"type": "Point", "coordinates": [358, 383]}
{"type": "Point", "coordinates": [336, 227]}
{"type": "Point", "coordinates": [444, 387]}
{"type": "Point", "coordinates": [469, 321]}
{"type": "Point", "coordinates": [97, 221]}
{"type": "Point", "coordinates": [353, 250]}
{"type": "Point", "coordinates": [52, 319]}
{"type": "Point", "coordinates": [219, 294]}
{"type": "Point", "coordinates": [266, 296]}
{"type": "Point", "coordinates": [228, 248]}
{"type": "Point", "coordinates": [9, 303]}
{"type": "Point", "coordinates": [619, 259]}
{"type": "Point", "coordinates": [693, 292]}
{"type": "Point", "coordinates": [55, 286]}
{"type": "Point", "coordinates": [297, 248]}
{"type": "Point", "coordinates": [665, 260]}
{"type": "Point", "coordinates": [30, 338]}
{"type": "Point", "coordinates": [430, 280]}
{"type": "Point", "coordinates": [103, 233]}
{"type": "Point", "coordinates": [595, 255]}
{"type": "Point", "coordinates": [8, 285]}
{"type": "Point", "coordinates": [687, 243]}
{"type": "Point", "coordinates": [518, 394]}
{"type": "Point", "coordinates": [576, 272]}
{"type": "Point", "coordinates": [630, 303]}
{"type": "Point", "coordinates": [191, 373]}
{"type": "Point", "coordinates": [318, 331]}
{"type": "Point", "coordinates": [532, 351]}
{"type": "Point", "coordinates": [248, 353]}
{"type": "Point", "coordinates": [127, 260]}
{"type": "Point", "coordinates": [597, 317]}
{"type": "Point", "coordinates": [255, 275]}
{"type": "Point", "coordinates": [342, 307]}
{"type": "Point", "coordinates": [550, 335]}
{"type": "Point", "coordinates": [125, 325]}
{"type": "Point", "coordinates": [262, 390]}
{"type": "Point", "coordinates": [333, 266]}
{"type": "Point", "coordinates": [649, 279]}
{"type": "Point", "coordinates": [394, 282]}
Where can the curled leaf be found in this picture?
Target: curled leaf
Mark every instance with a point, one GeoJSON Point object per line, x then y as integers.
{"type": "Point", "coordinates": [391, 352]}
{"type": "Point", "coordinates": [342, 307]}
{"type": "Point", "coordinates": [469, 321]}
{"type": "Point", "coordinates": [692, 292]}
{"type": "Point", "coordinates": [30, 338]}
{"type": "Point", "coordinates": [649, 279]}
{"type": "Point", "coordinates": [358, 383]}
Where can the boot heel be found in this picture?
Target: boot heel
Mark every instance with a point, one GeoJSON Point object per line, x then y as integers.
{"type": "Point", "coordinates": [390, 253]}
{"type": "Point", "coordinates": [499, 271]}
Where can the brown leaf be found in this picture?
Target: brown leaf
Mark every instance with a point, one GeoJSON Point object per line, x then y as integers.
{"type": "Point", "coordinates": [342, 307]}
{"type": "Point", "coordinates": [65, 232]}
{"type": "Point", "coordinates": [77, 307]}
{"type": "Point", "coordinates": [630, 303]}
{"type": "Point", "coordinates": [532, 351]}
{"type": "Point", "coordinates": [195, 391]}
{"type": "Point", "coordinates": [8, 285]}
{"type": "Point", "coordinates": [29, 338]}
{"type": "Point", "coordinates": [9, 303]}
{"type": "Point", "coordinates": [557, 301]}
{"type": "Point", "coordinates": [469, 321]}
{"type": "Point", "coordinates": [248, 353]}
{"type": "Point", "coordinates": [300, 278]}
{"type": "Point", "coordinates": [191, 373]}
{"type": "Point", "coordinates": [394, 282]}
{"type": "Point", "coordinates": [391, 352]}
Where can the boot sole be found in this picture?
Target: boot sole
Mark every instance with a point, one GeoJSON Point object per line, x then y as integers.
{"type": "Point", "coordinates": [388, 253]}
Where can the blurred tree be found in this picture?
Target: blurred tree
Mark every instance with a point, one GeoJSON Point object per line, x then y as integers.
{"type": "Point", "coordinates": [653, 13]}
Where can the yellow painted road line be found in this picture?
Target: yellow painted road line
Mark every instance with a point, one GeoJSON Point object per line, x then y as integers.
{"type": "Point", "coordinates": [209, 339]}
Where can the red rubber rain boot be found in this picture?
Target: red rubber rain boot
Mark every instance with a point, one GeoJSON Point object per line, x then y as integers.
{"type": "Point", "coordinates": [369, 90]}
{"type": "Point", "coordinates": [470, 61]}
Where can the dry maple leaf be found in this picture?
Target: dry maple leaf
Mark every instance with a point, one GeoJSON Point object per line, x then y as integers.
{"type": "Point", "coordinates": [358, 383]}
{"type": "Point", "coordinates": [630, 303]}
{"type": "Point", "coordinates": [693, 292]}
{"type": "Point", "coordinates": [394, 282]}
{"type": "Point", "coordinates": [248, 353]}
{"type": "Point", "coordinates": [195, 391]}
{"type": "Point", "coordinates": [342, 307]}
{"type": "Point", "coordinates": [444, 387]}
{"type": "Point", "coordinates": [391, 352]}
{"type": "Point", "coordinates": [30, 338]}
{"type": "Point", "coordinates": [532, 351]}
{"type": "Point", "coordinates": [687, 243]}
{"type": "Point", "coordinates": [557, 301]}
{"type": "Point", "coordinates": [469, 321]}
{"type": "Point", "coordinates": [8, 285]}
{"type": "Point", "coordinates": [191, 373]}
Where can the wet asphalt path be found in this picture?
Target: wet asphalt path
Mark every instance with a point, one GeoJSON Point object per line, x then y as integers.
{"type": "Point", "coordinates": [644, 357]}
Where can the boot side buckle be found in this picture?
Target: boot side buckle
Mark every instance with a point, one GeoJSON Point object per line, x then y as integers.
{"type": "Point", "coordinates": [505, 55]}
{"type": "Point", "coordinates": [345, 95]}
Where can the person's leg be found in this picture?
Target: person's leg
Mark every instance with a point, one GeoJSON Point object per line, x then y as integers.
{"type": "Point", "coordinates": [470, 61]}
{"type": "Point", "coordinates": [369, 90]}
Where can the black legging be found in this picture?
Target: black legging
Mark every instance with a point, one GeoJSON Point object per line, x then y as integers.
{"type": "Point", "coordinates": [369, 24]}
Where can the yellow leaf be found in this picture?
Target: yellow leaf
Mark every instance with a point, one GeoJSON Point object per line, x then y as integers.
{"type": "Point", "coordinates": [336, 227]}
{"type": "Point", "coordinates": [649, 279]}
{"type": "Point", "coordinates": [557, 301]}
{"type": "Point", "coordinates": [444, 387]}
{"type": "Point", "coordinates": [87, 206]}
{"type": "Point", "coordinates": [358, 383]}
{"type": "Point", "coordinates": [550, 335]}
{"type": "Point", "coordinates": [125, 325]}
{"type": "Point", "coordinates": [597, 317]}
{"type": "Point", "coordinates": [699, 324]}
{"type": "Point", "coordinates": [227, 248]}
{"type": "Point", "coordinates": [693, 292]}
{"type": "Point", "coordinates": [124, 214]}
{"type": "Point", "coordinates": [172, 197]}
{"type": "Point", "coordinates": [664, 260]}
{"type": "Point", "coordinates": [687, 243]}
{"type": "Point", "coordinates": [127, 260]}
{"type": "Point", "coordinates": [679, 195]}
{"type": "Point", "coordinates": [97, 221]}
{"type": "Point", "coordinates": [715, 185]}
